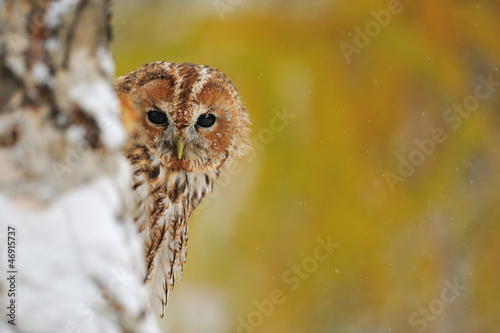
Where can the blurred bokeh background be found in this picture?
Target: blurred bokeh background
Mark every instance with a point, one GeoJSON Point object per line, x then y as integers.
{"type": "Point", "coordinates": [376, 127]}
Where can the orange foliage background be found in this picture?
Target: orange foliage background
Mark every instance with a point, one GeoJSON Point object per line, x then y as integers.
{"type": "Point", "coordinates": [323, 172]}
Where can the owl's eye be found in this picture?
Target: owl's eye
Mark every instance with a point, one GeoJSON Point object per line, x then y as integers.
{"type": "Point", "coordinates": [157, 117]}
{"type": "Point", "coordinates": [206, 120]}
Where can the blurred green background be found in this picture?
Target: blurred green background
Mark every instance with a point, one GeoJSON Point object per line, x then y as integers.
{"type": "Point", "coordinates": [358, 104]}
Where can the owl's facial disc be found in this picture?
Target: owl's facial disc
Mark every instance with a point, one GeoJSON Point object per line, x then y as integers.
{"type": "Point", "coordinates": [189, 116]}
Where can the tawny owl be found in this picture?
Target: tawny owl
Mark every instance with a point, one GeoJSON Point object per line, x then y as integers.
{"type": "Point", "coordinates": [186, 123]}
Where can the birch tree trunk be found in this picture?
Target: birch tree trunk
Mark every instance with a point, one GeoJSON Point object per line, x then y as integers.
{"type": "Point", "coordinates": [70, 258]}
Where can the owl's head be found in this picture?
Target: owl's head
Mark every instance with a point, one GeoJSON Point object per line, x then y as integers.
{"type": "Point", "coordinates": [189, 116]}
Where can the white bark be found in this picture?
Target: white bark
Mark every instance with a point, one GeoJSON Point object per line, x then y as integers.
{"type": "Point", "coordinates": [64, 185]}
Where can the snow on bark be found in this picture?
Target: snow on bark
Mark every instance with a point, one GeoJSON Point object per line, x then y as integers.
{"type": "Point", "coordinates": [64, 184]}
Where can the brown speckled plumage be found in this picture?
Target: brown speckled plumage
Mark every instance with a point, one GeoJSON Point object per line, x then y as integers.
{"type": "Point", "coordinates": [169, 188]}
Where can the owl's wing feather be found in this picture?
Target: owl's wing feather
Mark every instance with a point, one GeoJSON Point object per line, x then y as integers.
{"type": "Point", "coordinates": [164, 229]}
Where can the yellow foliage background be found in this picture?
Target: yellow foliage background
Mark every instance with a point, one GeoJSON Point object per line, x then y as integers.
{"type": "Point", "coordinates": [324, 172]}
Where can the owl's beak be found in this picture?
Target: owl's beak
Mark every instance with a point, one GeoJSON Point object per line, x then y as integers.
{"type": "Point", "coordinates": [180, 147]}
